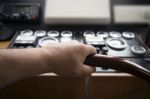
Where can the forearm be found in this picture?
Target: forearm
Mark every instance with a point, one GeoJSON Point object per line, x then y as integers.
{"type": "Point", "coordinates": [21, 63]}
{"type": "Point", "coordinates": [64, 59]}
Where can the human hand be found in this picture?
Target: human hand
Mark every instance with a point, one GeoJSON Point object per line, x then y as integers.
{"type": "Point", "coordinates": [66, 59]}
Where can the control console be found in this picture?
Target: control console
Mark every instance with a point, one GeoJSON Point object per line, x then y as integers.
{"type": "Point", "coordinates": [127, 45]}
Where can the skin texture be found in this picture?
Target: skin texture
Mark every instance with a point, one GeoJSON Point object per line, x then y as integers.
{"type": "Point", "coordinates": [64, 59]}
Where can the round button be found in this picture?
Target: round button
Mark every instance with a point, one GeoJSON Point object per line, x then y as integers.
{"type": "Point", "coordinates": [128, 35]}
{"type": "Point", "coordinates": [40, 33]}
{"type": "Point", "coordinates": [115, 34]}
{"type": "Point", "coordinates": [104, 49]}
{"type": "Point", "coordinates": [53, 33]}
{"type": "Point", "coordinates": [44, 41]}
{"type": "Point", "coordinates": [97, 50]}
{"type": "Point", "coordinates": [26, 32]}
{"type": "Point", "coordinates": [89, 34]}
{"type": "Point", "coordinates": [66, 34]}
{"type": "Point", "coordinates": [117, 43]}
{"type": "Point", "coordinates": [139, 50]}
{"type": "Point", "coordinates": [102, 34]}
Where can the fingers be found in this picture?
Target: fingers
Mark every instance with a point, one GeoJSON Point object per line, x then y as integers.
{"type": "Point", "coordinates": [90, 50]}
{"type": "Point", "coordinates": [76, 53]}
{"type": "Point", "coordinates": [88, 70]}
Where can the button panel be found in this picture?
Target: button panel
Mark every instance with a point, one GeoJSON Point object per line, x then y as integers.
{"type": "Point", "coordinates": [119, 44]}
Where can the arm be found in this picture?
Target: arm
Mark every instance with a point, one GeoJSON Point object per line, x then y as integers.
{"type": "Point", "coordinates": [64, 59]}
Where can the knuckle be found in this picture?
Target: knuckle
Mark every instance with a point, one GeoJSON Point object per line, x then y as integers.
{"type": "Point", "coordinates": [80, 46]}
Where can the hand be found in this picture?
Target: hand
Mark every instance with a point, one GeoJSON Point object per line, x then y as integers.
{"type": "Point", "coordinates": [66, 59]}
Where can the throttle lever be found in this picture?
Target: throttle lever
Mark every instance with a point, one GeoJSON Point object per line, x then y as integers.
{"type": "Point", "coordinates": [118, 64]}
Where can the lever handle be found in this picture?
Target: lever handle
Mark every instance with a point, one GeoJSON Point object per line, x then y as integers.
{"type": "Point", "coordinates": [118, 64]}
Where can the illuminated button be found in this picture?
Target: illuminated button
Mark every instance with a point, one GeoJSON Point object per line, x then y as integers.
{"type": "Point", "coordinates": [139, 50]}
{"type": "Point", "coordinates": [25, 39]}
{"type": "Point", "coordinates": [105, 70]}
{"type": "Point", "coordinates": [117, 43]}
{"type": "Point", "coordinates": [40, 33]}
{"type": "Point", "coordinates": [64, 39]}
{"type": "Point", "coordinates": [53, 33]}
{"type": "Point", "coordinates": [45, 40]}
{"type": "Point", "coordinates": [102, 34]}
{"type": "Point", "coordinates": [115, 34]}
{"type": "Point", "coordinates": [95, 41]}
{"type": "Point", "coordinates": [26, 32]}
{"type": "Point", "coordinates": [89, 34]}
{"type": "Point", "coordinates": [66, 34]}
{"type": "Point", "coordinates": [105, 49]}
{"type": "Point", "coordinates": [97, 50]}
{"type": "Point", "coordinates": [128, 35]}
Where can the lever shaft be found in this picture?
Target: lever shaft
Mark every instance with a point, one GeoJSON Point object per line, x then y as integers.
{"type": "Point", "coordinates": [118, 64]}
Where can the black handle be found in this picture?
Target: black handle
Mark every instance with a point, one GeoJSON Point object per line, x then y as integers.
{"type": "Point", "coordinates": [118, 64]}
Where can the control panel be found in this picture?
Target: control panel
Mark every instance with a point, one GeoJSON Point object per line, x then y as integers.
{"type": "Point", "coordinates": [127, 45]}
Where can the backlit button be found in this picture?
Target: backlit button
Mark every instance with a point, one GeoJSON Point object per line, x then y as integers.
{"type": "Point", "coordinates": [97, 50]}
{"type": "Point", "coordinates": [40, 33]}
{"type": "Point", "coordinates": [53, 33]}
{"type": "Point", "coordinates": [115, 34]}
{"type": "Point", "coordinates": [64, 39]}
{"type": "Point", "coordinates": [117, 43]}
{"type": "Point", "coordinates": [128, 35]}
{"type": "Point", "coordinates": [26, 33]}
{"type": "Point", "coordinates": [102, 34]}
{"type": "Point", "coordinates": [104, 49]}
{"type": "Point", "coordinates": [46, 40]}
{"type": "Point", "coordinates": [89, 34]}
{"type": "Point", "coordinates": [66, 34]}
{"type": "Point", "coordinates": [25, 39]}
{"type": "Point", "coordinates": [97, 41]}
{"type": "Point", "coordinates": [139, 50]}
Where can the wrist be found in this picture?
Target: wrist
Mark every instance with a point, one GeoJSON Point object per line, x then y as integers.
{"type": "Point", "coordinates": [46, 58]}
{"type": "Point", "coordinates": [36, 58]}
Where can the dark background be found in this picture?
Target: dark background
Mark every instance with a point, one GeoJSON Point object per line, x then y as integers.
{"type": "Point", "coordinates": [140, 28]}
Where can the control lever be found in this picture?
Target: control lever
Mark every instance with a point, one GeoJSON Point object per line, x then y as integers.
{"type": "Point", "coordinates": [118, 64]}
